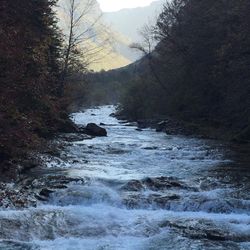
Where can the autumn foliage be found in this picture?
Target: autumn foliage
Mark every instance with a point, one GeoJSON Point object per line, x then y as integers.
{"type": "Point", "coordinates": [29, 71]}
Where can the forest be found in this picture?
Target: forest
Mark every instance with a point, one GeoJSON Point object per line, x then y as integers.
{"type": "Point", "coordinates": [32, 106]}
{"type": "Point", "coordinates": [199, 69]}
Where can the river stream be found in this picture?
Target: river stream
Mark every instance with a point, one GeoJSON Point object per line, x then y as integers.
{"type": "Point", "coordinates": [136, 190]}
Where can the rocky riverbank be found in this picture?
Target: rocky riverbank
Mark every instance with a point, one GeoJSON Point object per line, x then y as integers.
{"type": "Point", "coordinates": [132, 189]}
{"type": "Point", "coordinates": [199, 129]}
{"type": "Point", "coordinates": [26, 181]}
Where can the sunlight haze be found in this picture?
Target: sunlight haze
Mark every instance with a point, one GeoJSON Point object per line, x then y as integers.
{"type": "Point", "coordinates": [115, 5]}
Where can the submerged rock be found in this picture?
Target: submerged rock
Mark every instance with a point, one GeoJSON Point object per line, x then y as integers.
{"type": "Point", "coordinates": [163, 183]}
{"type": "Point", "coordinates": [163, 201]}
{"type": "Point", "coordinates": [156, 184]}
{"type": "Point", "coordinates": [95, 130]}
{"type": "Point", "coordinates": [204, 229]}
{"type": "Point", "coordinates": [150, 148]}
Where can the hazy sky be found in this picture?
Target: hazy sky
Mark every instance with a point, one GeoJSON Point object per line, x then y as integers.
{"type": "Point", "coordinates": [114, 5]}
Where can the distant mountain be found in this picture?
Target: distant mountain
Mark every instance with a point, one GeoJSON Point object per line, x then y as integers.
{"type": "Point", "coordinates": [123, 27]}
{"type": "Point", "coordinates": [129, 22]}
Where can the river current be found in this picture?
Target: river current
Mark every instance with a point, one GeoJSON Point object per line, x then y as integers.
{"type": "Point", "coordinates": [137, 190]}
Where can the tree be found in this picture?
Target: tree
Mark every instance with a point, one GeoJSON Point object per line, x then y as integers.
{"type": "Point", "coordinates": [30, 48]}
{"type": "Point", "coordinates": [147, 48]}
{"type": "Point", "coordinates": [82, 27]}
{"type": "Point", "coordinates": [202, 57]}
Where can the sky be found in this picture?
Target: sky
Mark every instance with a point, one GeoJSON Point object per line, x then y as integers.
{"type": "Point", "coordinates": [115, 5]}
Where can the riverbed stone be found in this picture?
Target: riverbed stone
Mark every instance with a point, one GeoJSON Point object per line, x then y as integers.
{"type": "Point", "coordinates": [161, 183]}
{"type": "Point", "coordinates": [133, 185]}
{"type": "Point", "coordinates": [95, 130]}
{"type": "Point", "coordinates": [161, 126]}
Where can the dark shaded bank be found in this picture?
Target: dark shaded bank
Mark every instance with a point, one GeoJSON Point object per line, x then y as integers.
{"type": "Point", "coordinates": [32, 107]}
{"type": "Point", "coordinates": [198, 128]}
{"type": "Point", "coordinates": [17, 166]}
{"type": "Point", "coordinates": [31, 179]}
{"type": "Point", "coordinates": [237, 147]}
{"type": "Point", "coordinates": [22, 157]}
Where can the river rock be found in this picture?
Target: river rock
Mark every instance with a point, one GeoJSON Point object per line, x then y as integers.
{"type": "Point", "coordinates": [161, 126]}
{"type": "Point", "coordinates": [156, 184]}
{"type": "Point", "coordinates": [95, 130]}
{"type": "Point", "coordinates": [162, 183]}
{"type": "Point", "coordinates": [142, 124]}
{"type": "Point", "coordinates": [46, 192]}
{"type": "Point", "coordinates": [133, 185]}
{"type": "Point", "coordinates": [140, 200]}
{"type": "Point", "coordinates": [73, 137]}
{"type": "Point", "coordinates": [202, 229]}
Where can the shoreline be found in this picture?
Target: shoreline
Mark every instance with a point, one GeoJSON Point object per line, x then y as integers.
{"type": "Point", "coordinates": [175, 126]}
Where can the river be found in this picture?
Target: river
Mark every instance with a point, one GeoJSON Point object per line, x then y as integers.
{"type": "Point", "coordinates": [136, 190]}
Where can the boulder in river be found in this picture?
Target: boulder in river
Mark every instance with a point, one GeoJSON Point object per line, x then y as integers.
{"type": "Point", "coordinates": [95, 130]}
{"type": "Point", "coordinates": [161, 126]}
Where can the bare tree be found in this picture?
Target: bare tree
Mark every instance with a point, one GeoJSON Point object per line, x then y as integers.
{"type": "Point", "coordinates": [82, 26]}
{"type": "Point", "coordinates": [147, 47]}
{"type": "Point", "coordinates": [161, 32]}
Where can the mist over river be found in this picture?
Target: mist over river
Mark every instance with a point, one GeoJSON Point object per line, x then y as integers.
{"type": "Point", "coordinates": [137, 190]}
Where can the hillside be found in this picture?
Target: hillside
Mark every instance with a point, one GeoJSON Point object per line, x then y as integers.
{"type": "Point", "coordinates": [201, 71]}
{"type": "Point", "coordinates": [121, 28]}
{"type": "Point", "coordinates": [130, 21]}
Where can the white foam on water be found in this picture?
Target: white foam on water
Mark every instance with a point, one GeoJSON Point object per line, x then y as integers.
{"type": "Point", "coordinates": [93, 215]}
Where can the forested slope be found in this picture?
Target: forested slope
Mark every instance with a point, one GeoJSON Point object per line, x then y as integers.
{"type": "Point", "coordinates": [30, 52]}
{"type": "Point", "coordinates": [200, 70]}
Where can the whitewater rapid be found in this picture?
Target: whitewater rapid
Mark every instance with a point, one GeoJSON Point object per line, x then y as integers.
{"type": "Point", "coordinates": [136, 190]}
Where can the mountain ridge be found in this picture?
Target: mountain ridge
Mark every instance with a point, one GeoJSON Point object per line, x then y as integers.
{"type": "Point", "coordinates": [121, 31]}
